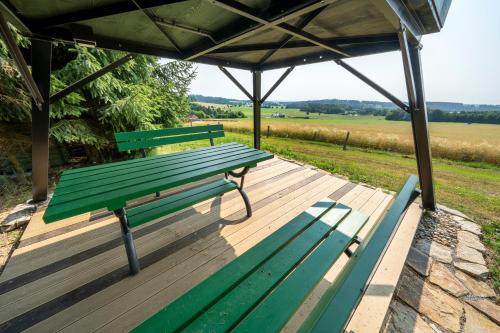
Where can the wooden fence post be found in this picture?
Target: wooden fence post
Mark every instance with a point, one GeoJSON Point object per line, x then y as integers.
{"type": "Point", "coordinates": [345, 141]}
{"type": "Point", "coordinates": [268, 130]}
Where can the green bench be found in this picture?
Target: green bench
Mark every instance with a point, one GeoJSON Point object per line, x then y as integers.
{"type": "Point", "coordinates": [142, 140]}
{"type": "Point", "coordinates": [112, 185]}
{"type": "Point", "coordinates": [260, 290]}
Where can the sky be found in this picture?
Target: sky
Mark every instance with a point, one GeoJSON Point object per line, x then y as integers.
{"type": "Point", "coordinates": [461, 64]}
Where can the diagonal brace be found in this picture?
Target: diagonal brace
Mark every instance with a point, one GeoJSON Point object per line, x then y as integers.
{"type": "Point", "coordinates": [80, 83]}
{"type": "Point", "coordinates": [16, 54]}
{"type": "Point", "coordinates": [374, 85]}
{"type": "Point", "coordinates": [278, 82]}
{"type": "Point", "coordinates": [232, 78]}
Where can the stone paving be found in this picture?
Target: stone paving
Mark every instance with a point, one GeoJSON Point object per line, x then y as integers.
{"type": "Point", "coordinates": [445, 285]}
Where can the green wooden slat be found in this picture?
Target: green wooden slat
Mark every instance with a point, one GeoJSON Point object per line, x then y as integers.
{"type": "Point", "coordinates": [176, 315]}
{"type": "Point", "coordinates": [179, 201]}
{"type": "Point", "coordinates": [236, 303]}
{"type": "Point", "coordinates": [127, 136]}
{"type": "Point", "coordinates": [273, 313]}
{"type": "Point", "coordinates": [81, 172]}
{"type": "Point", "coordinates": [119, 176]}
{"type": "Point", "coordinates": [117, 199]}
{"type": "Point", "coordinates": [340, 300]}
{"type": "Point", "coordinates": [145, 177]}
{"type": "Point", "coordinates": [130, 145]}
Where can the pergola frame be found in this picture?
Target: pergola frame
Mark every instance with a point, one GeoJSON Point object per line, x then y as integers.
{"type": "Point", "coordinates": [253, 22]}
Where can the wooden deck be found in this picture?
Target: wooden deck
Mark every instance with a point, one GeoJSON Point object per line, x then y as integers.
{"type": "Point", "coordinates": [72, 275]}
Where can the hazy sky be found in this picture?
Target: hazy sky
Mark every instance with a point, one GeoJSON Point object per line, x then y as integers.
{"type": "Point", "coordinates": [461, 64]}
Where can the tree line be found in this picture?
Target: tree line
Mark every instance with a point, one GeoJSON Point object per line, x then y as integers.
{"type": "Point", "coordinates": [434, 115]}
{"type": "Point", "coordinates": [480, 117]}
{"type": "Point", "coordinates": [203, 112]}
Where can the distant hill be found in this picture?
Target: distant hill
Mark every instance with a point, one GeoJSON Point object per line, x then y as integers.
{"type": "Point", "coordinates": [355, 104]}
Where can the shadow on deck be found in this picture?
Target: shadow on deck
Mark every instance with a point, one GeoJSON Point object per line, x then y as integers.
{"type": "Point", "coordinates": [73, 275]}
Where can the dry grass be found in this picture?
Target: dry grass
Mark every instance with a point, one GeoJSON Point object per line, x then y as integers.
{"type": "Point", "coordinates": [459, 142]}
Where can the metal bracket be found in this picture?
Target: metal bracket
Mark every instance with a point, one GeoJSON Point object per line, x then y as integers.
{"type": "Point", "coordinates": [277, 83]}
{"type": "Point", "coordinates": [241, 175]}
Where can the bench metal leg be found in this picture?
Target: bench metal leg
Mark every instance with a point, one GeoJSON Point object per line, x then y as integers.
{"type": "Point", "coordinates": [133, 262]}
{"type": "Point", "coordinates": [240, 188]}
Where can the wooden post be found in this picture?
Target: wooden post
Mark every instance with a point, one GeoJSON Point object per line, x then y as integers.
{"type": "Point", "coordinates": [345, 141]}
{"type": "Point", "coordinates": [268, 130]}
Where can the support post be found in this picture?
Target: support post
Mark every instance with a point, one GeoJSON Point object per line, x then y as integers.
{"type": "Point", "coordinates": [418, 110]}
{"type": "Point", "coordinates": [256, 76]}
{"type": "Point", "coordinates": [41, 57]}
{"type": "Point", "coordinates": [128, 240]}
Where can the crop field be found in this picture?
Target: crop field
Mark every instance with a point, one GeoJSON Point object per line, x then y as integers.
{"type": "Point", "coordinates": [455, 141]}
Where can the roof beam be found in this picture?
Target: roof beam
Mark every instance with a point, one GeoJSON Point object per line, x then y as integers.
{"type": "Point", "coordinates": [244, 29]}
{"type": "Point", "coordinates": [301, 25]}
{"type": "Point", "coordinates": [374, 85]}
{"type": "Point", "coordinates": [277, 83]}
{"type": "Point", "coordinates": [236, 82]}
{"type": "Point", "coordinates": [80, 83]}
{"type": "Point", "coordinates": [16, 54]}
{"type": "Point", "coordinates": [397, 13]}
{"type": "Point", "coordinates": [96, 12]}
{"type": "Point", "coordinates": [315, 57]}
{"type": "Point", "coordinates": [249, 13]}
{"type": "Point", "coordinates": [358, 40]}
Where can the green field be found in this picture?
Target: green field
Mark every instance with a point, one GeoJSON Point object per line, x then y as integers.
{"type": "Point", "coordinates": [456, 141]}
{"type": "Point", "coordinates": [471, 187]}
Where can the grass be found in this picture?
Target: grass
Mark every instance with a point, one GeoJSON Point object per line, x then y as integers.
{"type": "Point", "coordinates": [471, 187]}
{"type": "Point", "coordinates": [456, 141]}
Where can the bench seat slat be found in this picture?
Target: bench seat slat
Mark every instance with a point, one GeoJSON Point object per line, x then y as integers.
{"type": "Point", "coordinates": [148, 134]}
{"type": "Point", "coordinates": [120, 177]}
{"type": "Point", "coordinates": [124, 165]}
{"type": "Point", "coordinates": [340, 300]}
{"type": "Point", "coordinates": [150, 143]}
{"type": "Point", "coordinates": [231, 308]}
{"type": "Point", "coordinates": [153, 174]}
{"type": "Point", "coordinates": [158, 208]}
{"type": "Point", "coordinates": [116, 199]}
{"type": "Point", "coordinates": [194, 302]}
{"type": "Point", "coordinates": [274, 312]}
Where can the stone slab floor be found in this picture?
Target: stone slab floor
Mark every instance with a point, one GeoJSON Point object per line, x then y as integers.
{"type": "Point", "coordinates": [445, 285]}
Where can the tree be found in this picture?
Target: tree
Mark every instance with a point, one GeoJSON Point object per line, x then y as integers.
{"type": "Point", "coordinates": [141, 94]}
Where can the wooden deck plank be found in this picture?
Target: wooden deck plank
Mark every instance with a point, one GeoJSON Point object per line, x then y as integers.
{"type": "Point", "coordinates": [94, 292]}
{"type": "Point", "coordinates": [370, 313]}
{"type": "Point", "coordinates": [26, 259]}
{"type": "Point", "coordinates": [65, 280]}
{"type": "Point", "coordinates": [221, 241]}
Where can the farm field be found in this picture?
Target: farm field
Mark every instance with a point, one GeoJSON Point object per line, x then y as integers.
{"type": "Point", "coordinates": [471, 187]}
{"type": "Point", "coordinates": [456, 141]}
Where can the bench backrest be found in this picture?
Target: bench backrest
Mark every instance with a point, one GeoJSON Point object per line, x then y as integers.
{"type": "Point", "coordinates": [154, 138]}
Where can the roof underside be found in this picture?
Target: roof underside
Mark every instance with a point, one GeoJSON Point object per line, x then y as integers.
{"type": "Point", "coordinates": [252, 34]}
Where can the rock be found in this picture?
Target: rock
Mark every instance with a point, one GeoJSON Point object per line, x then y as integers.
{"type": "Point", "coordinates": [17, 217]}
{"type": "Point", "coordinates": [435, 250]}
{"type": "Point", "coordinates": [441, 276]}
{"type": "Point", "coordinates": [469, 254]}
{"type": "Point", "coordinates": [430, 301]}
{"type": "Point", "coordinates": [468, 239]}
{"type": "Point", "coordinates": [470, 227]}
{"type": "Point", "coordinates": [475, 322]}
{"type": "Point", "coordinates": [476, 270]}
{"type": "Point", "coordinates": [488, 308]}
{"type": "Point", "coordinates": [452, 211]}
{"type": "Point", "coordinates": [476, 288]}
{"type": "Point", "coordinates": [419, 261]}
{"type": "Point", "coordinates": [405, 320]}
